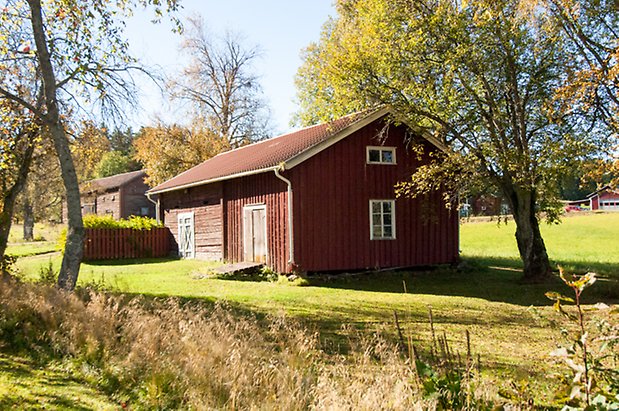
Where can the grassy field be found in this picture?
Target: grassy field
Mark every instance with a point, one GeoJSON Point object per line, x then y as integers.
{"type": "Point", "coordinates": [31, 248]}
{"type": "Point", "coordinates": [42, 232]}
{"type": "Point", "coordinates": [508, 321]}
{"type": "Point", "coordinates": [46, 236]}
{"type": "Point", "coordinates": [581, 242]}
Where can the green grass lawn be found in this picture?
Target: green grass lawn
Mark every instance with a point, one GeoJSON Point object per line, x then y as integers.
{"type": "Point", "coordinates": [501, 313]}
{"type": "Point", "coordinates": [31, 248]}
{"type": "Point", "coordinates": [25, 385]}
{"type": "Point", "coordinates": [45, 234]}
{"type": "Point", "coordinates": [491, 304]}
{"type": "Point", "coordinates": [580, 242]}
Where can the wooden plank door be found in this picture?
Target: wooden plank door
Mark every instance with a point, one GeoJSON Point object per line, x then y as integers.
{"type": "Point", "coordinates": [260, 234]}
{"type": "Point", "coordinates": [255, 233]}
{"type": "Point", "coordinates": [186, 236]}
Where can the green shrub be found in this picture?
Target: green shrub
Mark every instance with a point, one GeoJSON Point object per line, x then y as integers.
{"type": "Point", "coordinates": [62, 239]}
{"type": "Point", "coordinates": [95, 221]}
{"type": "Point", "coordinates": [47, 275]}
{"type": "Point", "coordinates": [268, 274]}
{"type": "Point", "coordinates": [7, 264]}
{"type": "Point", "coordinates": [134, 222]}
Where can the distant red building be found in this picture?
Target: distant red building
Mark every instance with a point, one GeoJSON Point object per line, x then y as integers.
{"type": "Point", "coordinates": [119, 196]}
{"type": "Point", "coordinates": [606, 199]}
{"type": "Point", "coordinates": [487, 205]}
{"type": "Point", "coordinates": [320, 199]}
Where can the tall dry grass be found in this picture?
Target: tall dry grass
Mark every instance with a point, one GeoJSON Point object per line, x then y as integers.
{"type": "Point", "coordinates": [166, 354]}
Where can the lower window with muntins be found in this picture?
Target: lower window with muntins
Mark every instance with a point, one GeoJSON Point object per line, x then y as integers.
{"type": "Point", "coordinates": [382, 219]}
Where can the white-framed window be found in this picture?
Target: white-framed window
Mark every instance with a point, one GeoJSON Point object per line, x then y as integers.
{"type": "Point", "coordinates": [380, 155]}
{"type": "Point", "coordinates": [382, 219]}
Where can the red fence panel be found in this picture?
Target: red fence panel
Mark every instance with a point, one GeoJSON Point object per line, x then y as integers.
{"type": "Point", "coordinates": [117, 243]}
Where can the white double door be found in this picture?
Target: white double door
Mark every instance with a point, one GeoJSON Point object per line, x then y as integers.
{"type": "Point", "coordinates": [186, 236]}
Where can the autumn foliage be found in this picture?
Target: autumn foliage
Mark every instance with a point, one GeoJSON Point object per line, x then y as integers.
{"type": "Point", "coordinates": [166, 151]}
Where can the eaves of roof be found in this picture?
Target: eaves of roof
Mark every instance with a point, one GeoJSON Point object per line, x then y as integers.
{"type": "Point", "coordinates": [191, 177]}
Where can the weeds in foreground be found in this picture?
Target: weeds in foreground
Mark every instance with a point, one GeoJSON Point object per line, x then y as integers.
{"type": "Point", "coordinates": [452, 382]}
{"type": "Point", "coordinates": [47, 274]}
{"type": "Point", "coordinates": [266, 274]}
{"type": "Point", "coordinates": [169, 354]}
{"type": "Point", "coordinates": [166, 354]}
{"type": "Point", "coordinates": [590, 352]}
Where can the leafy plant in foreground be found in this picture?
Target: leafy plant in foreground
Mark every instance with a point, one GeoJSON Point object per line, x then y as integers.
{"type": "Point", "coordinates": [591, 350]}
{"type": "Point", "coordinates": [7, 264]}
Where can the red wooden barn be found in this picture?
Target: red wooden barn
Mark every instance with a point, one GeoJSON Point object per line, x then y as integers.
{"type": "Point", "coordinates": [605, 199]}
{"type": "Point", "coordinates": [318, 199]}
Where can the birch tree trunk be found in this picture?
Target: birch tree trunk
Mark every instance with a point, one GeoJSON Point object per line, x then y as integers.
{"type": "Point", "coordinates": [72, 258]}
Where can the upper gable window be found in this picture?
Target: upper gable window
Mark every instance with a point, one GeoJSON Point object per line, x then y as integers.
{"type": "Point", "coordinates": [381, 155]}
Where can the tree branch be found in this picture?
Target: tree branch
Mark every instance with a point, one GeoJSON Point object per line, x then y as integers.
{"type": "Point", "coordinates": [7, 94]}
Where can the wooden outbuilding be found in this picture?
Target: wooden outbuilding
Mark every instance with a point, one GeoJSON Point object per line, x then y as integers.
{"type": "Point", "coordinates": [318, 199]}
{"type": "Point", "coordinates": [120, 196]}
{"type": "Point", "coordinates": [605, 199]}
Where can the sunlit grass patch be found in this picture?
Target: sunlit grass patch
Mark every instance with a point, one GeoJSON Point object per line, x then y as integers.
{"type": "Point", "coordinates": [31, 248]}
{"type": "Point", "coordinates": [582, 242]}
{"type": "Point", "coordinates": [24, 384]}
{"type": "Point", "coordinates": [508, 321]}
{"type": "Point", "coordinates": [42, 232]}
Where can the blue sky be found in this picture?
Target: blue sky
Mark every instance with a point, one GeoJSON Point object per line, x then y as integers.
{"type": "Point", "coordinates": [280, 28]}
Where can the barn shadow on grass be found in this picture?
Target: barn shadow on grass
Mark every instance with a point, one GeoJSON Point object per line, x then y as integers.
{"type": "Point", "coordinates": [491, 279]}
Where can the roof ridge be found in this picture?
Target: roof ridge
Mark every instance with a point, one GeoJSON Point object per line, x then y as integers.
{"type": "Point", "coordinates": [116, 175]}
{"type": "Point", "coordinates": [269, 139]}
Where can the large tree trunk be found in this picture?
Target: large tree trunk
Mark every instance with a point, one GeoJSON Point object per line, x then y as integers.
{"type": "Point", "coordinates": [72, 258]}
{"type": "Point", "coordinates": [73, 251]}
{"type": "Point", "coordinates": [528, 236]}
{"type": "Point", "coordinates": [28, 220]}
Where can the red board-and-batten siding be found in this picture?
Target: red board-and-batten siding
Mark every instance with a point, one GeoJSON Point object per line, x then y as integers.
{"type": "Point", "coordinates": [224, 203]}
{"type": "Point", "coordinates": [331, 226]}
{"type": "Point", "coordinates": [257, 189]}
{"type": "Point", "coordinates": [331, 201]}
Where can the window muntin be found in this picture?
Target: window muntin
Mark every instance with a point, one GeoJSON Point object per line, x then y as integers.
{"type": "Point", "coordinates": [380, 155]}
{"type": "Point", "coordinates": [382, 219]}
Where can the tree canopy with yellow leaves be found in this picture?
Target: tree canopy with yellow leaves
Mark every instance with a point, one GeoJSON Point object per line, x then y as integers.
{"type": "Point", "coordinates": [168, 150]}
{"type": "Point", "coordinates": [487, 77]}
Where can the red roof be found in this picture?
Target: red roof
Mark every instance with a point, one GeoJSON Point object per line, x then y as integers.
{"type": "Point", "coordinates": [265, 155]}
